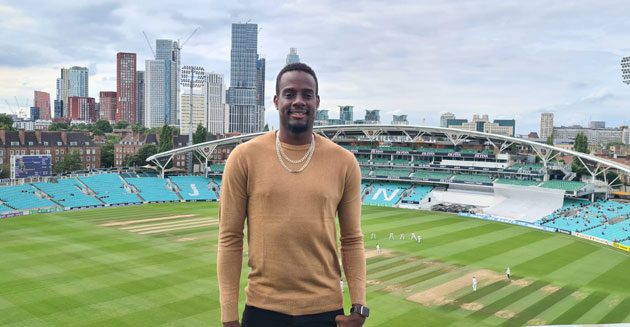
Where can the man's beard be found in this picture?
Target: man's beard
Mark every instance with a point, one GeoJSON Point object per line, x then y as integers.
{"type": "Point", "coordinates": [297, 129]}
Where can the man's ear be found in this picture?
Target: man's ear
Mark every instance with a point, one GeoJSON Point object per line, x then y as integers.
{"type": "Point", "coordinates": [275, 101]}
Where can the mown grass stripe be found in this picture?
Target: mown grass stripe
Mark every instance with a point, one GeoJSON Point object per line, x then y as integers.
{"type": "Point", "coordinates": [422, 278]}
{"type": "Point", "coordinates": [499, 247]}
{"type": "Point", "coordinates": [505, 301]}
{"type": "Point", "coordinates": [537, 308]}
{"type": "Point", "coordinates": [618, 314]}
{"type": "Point", "coordinates": [556, 259]}
{"type": "Point", "coordinates": [578, 310]}
{"type": "Point", "coordinates": [473, 296]}
{"type": "Point", "coordinates": [388, 266]}
{"type": "Point", "coordinates": [413, 268]}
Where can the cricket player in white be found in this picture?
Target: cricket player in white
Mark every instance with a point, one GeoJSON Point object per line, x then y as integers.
{"type": "Point", "coordinates": [474, 283]}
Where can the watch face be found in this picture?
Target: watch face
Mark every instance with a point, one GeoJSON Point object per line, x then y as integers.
{"type": "Point", "coordinates": [361, 310]}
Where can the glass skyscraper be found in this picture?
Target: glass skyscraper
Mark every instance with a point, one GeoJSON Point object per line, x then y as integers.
{"type": "Point", "coordinates": [246, 94]}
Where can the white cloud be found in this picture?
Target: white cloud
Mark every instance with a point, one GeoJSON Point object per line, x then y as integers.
{"type": "Point", "coordinates": [509, 59]}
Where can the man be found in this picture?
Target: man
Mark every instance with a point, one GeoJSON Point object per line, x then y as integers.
{"type": "Point", "coordinates": [508, 273]}
{"type": "Point", "coordinates": [474, 283]}
{"type": "Point", "coordinates": [289, 186]}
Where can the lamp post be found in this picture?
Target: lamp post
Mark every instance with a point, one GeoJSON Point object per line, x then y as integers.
{"type": "Point", "coordinates": [192, 76]}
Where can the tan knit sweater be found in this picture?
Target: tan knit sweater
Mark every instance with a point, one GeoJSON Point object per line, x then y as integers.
{"type": "Point", "coordinates": [292, 235]}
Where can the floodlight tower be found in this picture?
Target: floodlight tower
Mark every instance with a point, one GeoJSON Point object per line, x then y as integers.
{"type": "Point", "coordinates": [192, 76]}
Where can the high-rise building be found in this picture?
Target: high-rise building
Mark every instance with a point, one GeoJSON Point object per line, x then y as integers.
{"type": "Point", "coordinates": [82, 108]}
{"type": "Point", "coordinates": [72, 82]}
{"type": "Point", "coordinates": [597, 124]}
{"type": "Point", "coordinates": [107, 106]}
{"type": "Point", "coordinates": [260, 82]}
{"type": "Point", "coordinates": [625, 70]}
{"type": "Point", "coordinates": [246, 114]}
{"type": "Point", "coordinates": [400, 120]}
{"type": "Point", "coordinates": [157, 98]}
{"type": "Point", "coordinates": [34, 113]}
{"type": "Point", "coordinates": [546, 125]}
{"type": "Point", "coordinates": [41, 100]}
{"type": "Point", "coordinates": [217, 109]}
{"type": "Point", "coordinates": [346, 114]}
{"type": "Point", "coordinates": [198, 111]}
{"type": "Point", "coordinates": [321, 117]}
{"type": "Point", "coordinates": [445, 117]}
{"type": "Point", "coordinates": [140, 97]}
{"type": "Point", "coordinates": [372, 116]}
{"type": "Point", "coordinates": [168, 50]}
{"type": "Point", "coordinates": [293, 56]}
{"type": "Point", "coordinates": [126, 109]}
{"type": "Point", "coordinates": [481, 123]}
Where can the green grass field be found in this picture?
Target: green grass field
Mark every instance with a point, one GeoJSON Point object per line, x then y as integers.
{"type": "Point", "coordinates": [156, 265]}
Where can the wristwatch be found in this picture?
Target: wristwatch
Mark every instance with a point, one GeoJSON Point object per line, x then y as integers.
{"type": "Point", "coordinates": [363, 311]}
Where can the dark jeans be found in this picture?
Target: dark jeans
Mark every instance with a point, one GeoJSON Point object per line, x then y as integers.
{"type": "Point", "coordinates": [256, 317]}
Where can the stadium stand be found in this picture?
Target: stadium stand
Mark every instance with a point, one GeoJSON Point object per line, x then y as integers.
{"type": "Point", "coordinates": [417, 193]}
{"type": "Point", "coordinates": [24, 197]}
{"type": "Point", "coordinates": [391, 172]}
{"type": "Point", "coordinates": [217, 168]}
{"type": "Point", "coordinates": [569, 186]}
{"type": "Point", "coordinates": [4, 208]}
{"type": "Point", "coordinates": [153, 189]}
{"type": "Point", "coordinates": [194, 188]}
{"type": "Point", "coordinates": [473, 179]}
{"type": "Point", "coordinates": [110, 189]}
{"type": "Point", "coordinates": [384, 194]}
{"type": "Point", "coordinates": [431, 175]}
{"type": "Point", "coordinates": [522, 182]}
{"type": "Point", "coordinates": [69, 193]}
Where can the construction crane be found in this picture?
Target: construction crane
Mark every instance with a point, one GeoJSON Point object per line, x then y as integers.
{"type": "Point", "coordinates": [10, 107]}
{"type": "Point", "coordinates": [21, 112]}
{"type": "Point", "coordinates": [149, 43]}
{"type": "Point", "coordinates": [181, 45]}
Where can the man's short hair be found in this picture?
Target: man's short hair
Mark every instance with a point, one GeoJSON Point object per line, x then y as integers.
{"type": "Point", "coordinates": [298, 66]}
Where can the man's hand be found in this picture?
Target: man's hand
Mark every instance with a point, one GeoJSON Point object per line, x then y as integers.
{"type": "Point", "coordinates": [352, 320]}
{"type": "Point", "coordinates": [231, 324]}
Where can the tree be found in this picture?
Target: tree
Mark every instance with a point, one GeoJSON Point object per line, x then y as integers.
{"type": "Point", "coordinates": [580, 145]}
{"type": "Point", "coordinates": [166, 138]}
{"type": "Point", "coordinates": [103, 126]}
{"type": "Point", "coordinates": [121, 124]}
{"type": "Point", "coordinates": [69, 163]}
{"type": "Point", "coordinates": [140, 158]}
{"type": "Point", "coordinates": [4, 171]}
{"type": "Point", "coordinates": [107, 155]}
{"type": "Point", "coordinates": [6, 122]}
{"type": "Point", "coordinates": [550, 140]}
{"type": "Point", "coordinates": [138, 128]}
{"type": "Point", "coordinates": [200, 136]}
{"type": "Point", "coordinates": [266, 128]}
{"type": "Point", "coordinates": [58, 126]}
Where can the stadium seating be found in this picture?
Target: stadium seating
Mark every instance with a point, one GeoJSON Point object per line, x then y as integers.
{"type": "Point", "coordinates": [110, 189]}
{"type": "Point", "coordinates": [431, 175]}
{"type": "Point", "coordinates": [400, 162]}
{"type": "Point", "coordinates": [603, 219]}
{"type": "Point", "coordinates": [380, 161]}
{"type": "Point", "coordinates": [23, 197]}
{"type": "Point", "coordinates": [475, 179]}
{"type": "Point", "coordinates": [153, 189]}
{"type": "Point", "coordinates": [385, 194]}
{"type": "Point", "coordinates": [365, 172]}
{"type": "Point", "coordinates": [392, 172]}
{"type": "Point", "coordinates": [4, 208]}
{"type": "Point", "coordinates": [69, 193]}
{"type": "Point", "coordinates": [569, 186]}
{"type": "Point", "coordinates": [217, 168]}
{"type": "Point", "coordinates": [417, 193]}
{"type": "Point", "coordinates": [522, 182]}
{"type": "Point", "coordinates": [195, 188]}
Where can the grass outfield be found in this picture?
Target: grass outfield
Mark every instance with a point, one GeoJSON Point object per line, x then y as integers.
{"type": "Point", "coordinates": [155, 265]}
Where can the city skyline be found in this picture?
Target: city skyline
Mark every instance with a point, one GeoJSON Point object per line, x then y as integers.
{"type": "Point", "coordinates": [508, 59]}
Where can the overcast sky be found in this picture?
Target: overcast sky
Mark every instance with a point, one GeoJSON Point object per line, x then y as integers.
{"type": "Point", "coordinates": [508, 59]}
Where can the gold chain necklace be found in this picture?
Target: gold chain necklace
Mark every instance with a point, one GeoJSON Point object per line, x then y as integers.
{"type": "Point", "coordinates": [307, 157]}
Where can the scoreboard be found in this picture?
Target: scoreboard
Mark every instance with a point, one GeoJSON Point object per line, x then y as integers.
{"type": "Point", "coordinates": [23, 166]}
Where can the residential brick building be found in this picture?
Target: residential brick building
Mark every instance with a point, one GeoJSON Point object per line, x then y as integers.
{"type": "Point", "coordinates": [55, 143]}
{"type": "Point", "coordinates": [132, 142]}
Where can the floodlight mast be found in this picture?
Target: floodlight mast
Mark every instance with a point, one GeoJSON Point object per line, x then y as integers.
{"type": "Point", "coordinates": [192, 76]}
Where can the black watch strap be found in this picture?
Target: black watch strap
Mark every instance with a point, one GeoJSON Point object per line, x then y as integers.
{"type": "Point", "coordinates": [363, 311]}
